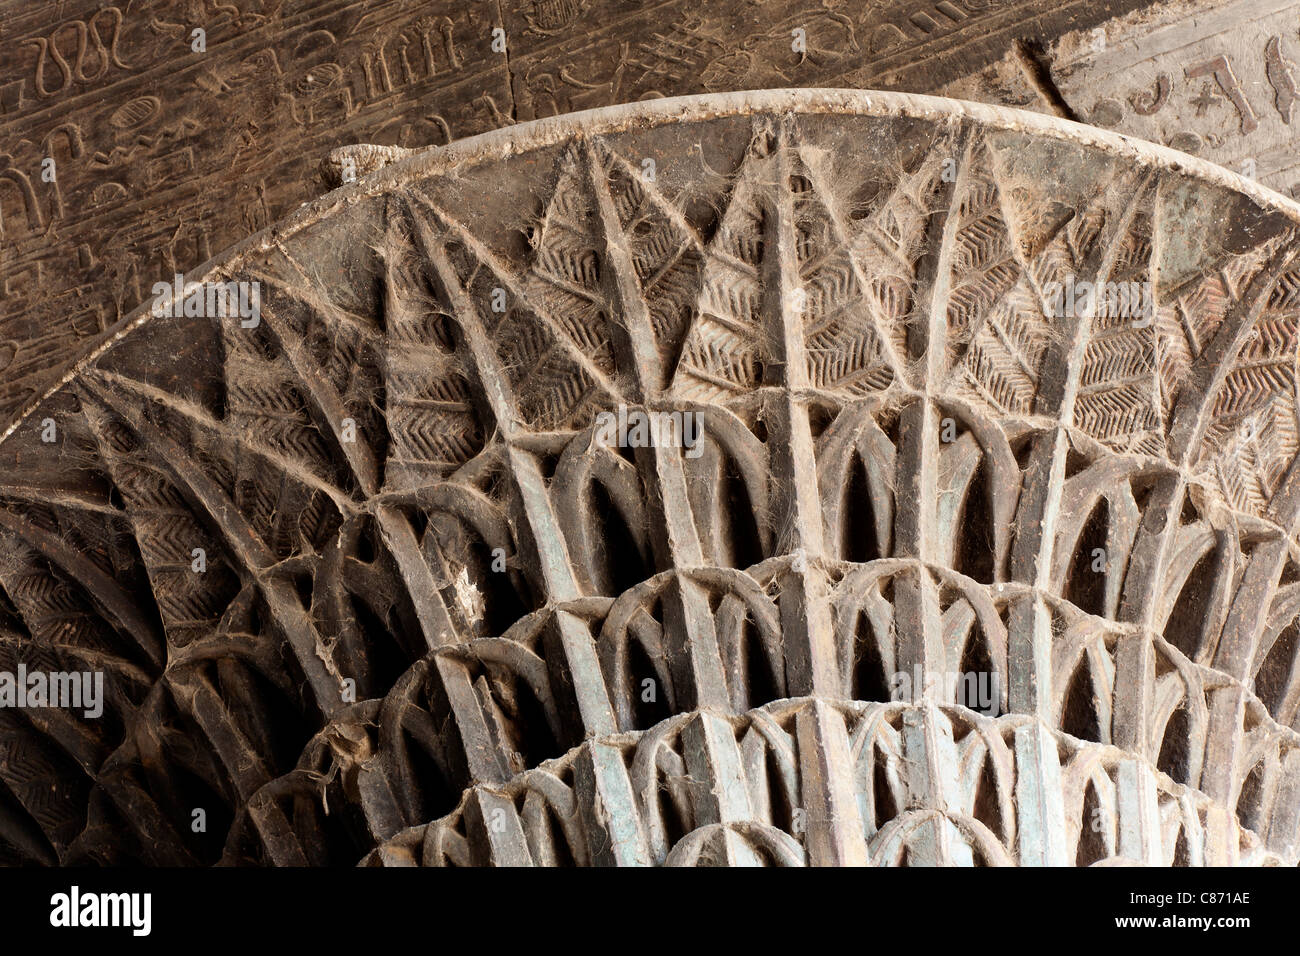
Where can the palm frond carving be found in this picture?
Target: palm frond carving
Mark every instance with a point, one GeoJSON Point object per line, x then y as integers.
{"type": "Point", "coordinates": [439, 621]}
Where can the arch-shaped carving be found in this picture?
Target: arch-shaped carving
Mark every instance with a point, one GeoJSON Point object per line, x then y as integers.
{"type": "Point", "coordinates": [414, 408]}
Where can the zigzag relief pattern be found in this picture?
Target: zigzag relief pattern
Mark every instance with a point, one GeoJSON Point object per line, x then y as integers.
{"type": "Point", "coordinates": [377, 587]}
{"type": "Point", "coordinates": [431, 425]}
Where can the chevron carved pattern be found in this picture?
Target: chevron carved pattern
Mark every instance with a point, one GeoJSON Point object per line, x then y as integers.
{"type": "Point", "coordinates": [442, 620]}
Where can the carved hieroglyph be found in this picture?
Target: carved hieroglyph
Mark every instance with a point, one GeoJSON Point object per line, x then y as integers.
{"type": "Point", "coordinates": [1213, 78]}
{"type": "Point", "coordinates": [367, 585]}
{"type": "Point", "coordinates": [132, 151]}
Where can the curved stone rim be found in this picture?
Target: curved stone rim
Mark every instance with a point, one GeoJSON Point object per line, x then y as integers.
{"type": "Point", "coordinates": [501, 143]}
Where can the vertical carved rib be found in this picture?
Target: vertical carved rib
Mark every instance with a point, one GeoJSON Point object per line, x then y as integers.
{"type": "Point", "coordinates": [811, 666]}
{"type": "Point", "coordinates": [835, 831]}
{"type": "Point", "coordinates": [542, 530]}
{"type": "Point", "coordinates": [932, 780]}
{"type": "Point", "coordinates": [609, 809]}
{"type": "Point", "coordinates": [494, 830]}
{"type": "Point", "coordinates": [630, 321]}
{"type": "Point", "coordinates": [1139, 813]}
{"type": "Point", "coordinates": [916, 599]}
{"type": "Point", "coordinates": [1040, 818]}
{"type": "Point", "coordinates": [1238, 647]}
{"type": "Point", "coordinates": [691, 641]}
{"type": "Point", "coordinates": [717, 778]}
{"type": "Point", "coordinates": [1038, 514]}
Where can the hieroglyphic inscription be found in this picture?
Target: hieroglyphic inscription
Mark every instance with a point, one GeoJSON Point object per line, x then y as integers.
{"type": "Point", "coordinates": [164, 148]}
{"type": "Point", "coordinates": [124, 141]}
{"type": "Point", "coordinates": [1211, 78]}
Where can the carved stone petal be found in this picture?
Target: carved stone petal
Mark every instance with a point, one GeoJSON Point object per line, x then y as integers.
{"type": "Point", "coordinates": [733, 479]}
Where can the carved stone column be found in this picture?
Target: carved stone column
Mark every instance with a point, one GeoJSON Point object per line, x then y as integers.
{"type": "Point", "coordinates": [803, 478]}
